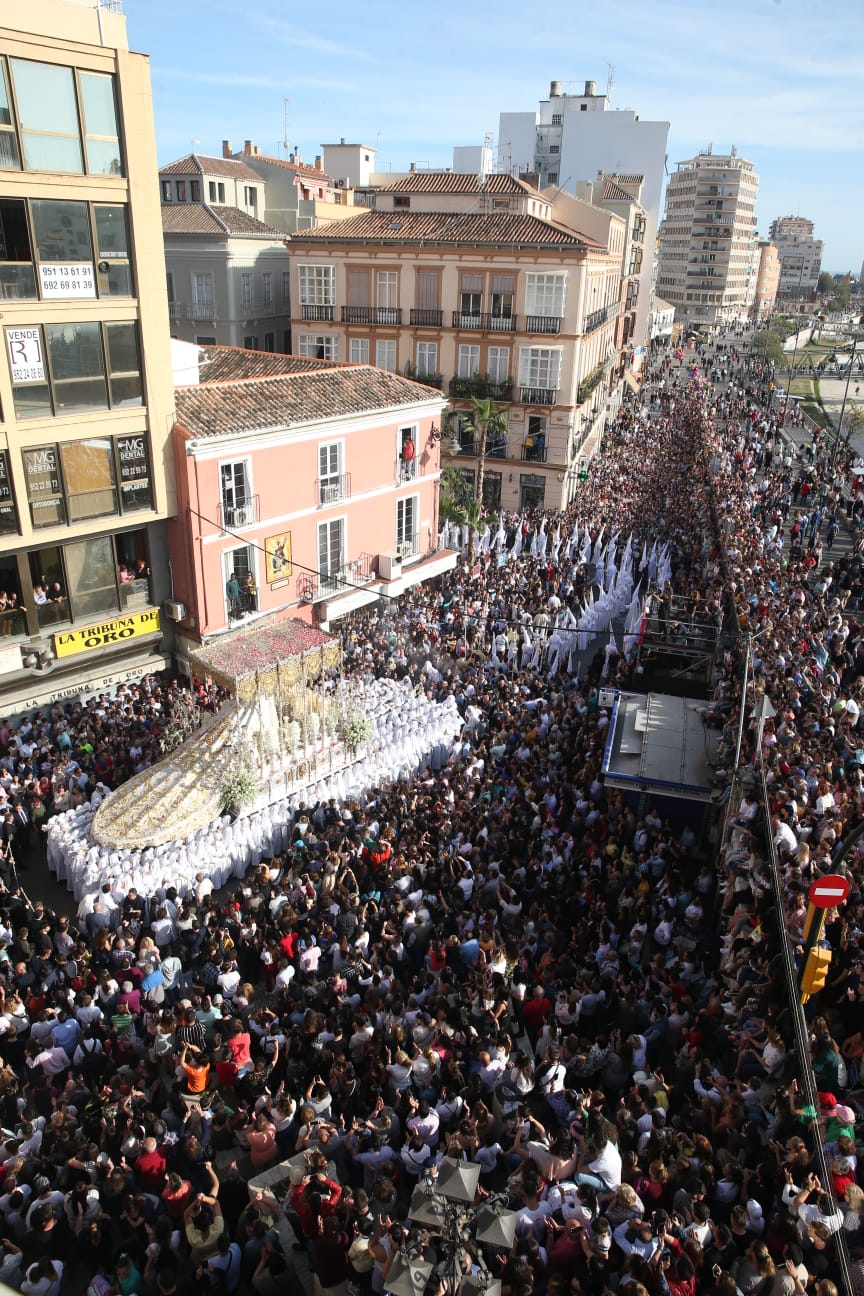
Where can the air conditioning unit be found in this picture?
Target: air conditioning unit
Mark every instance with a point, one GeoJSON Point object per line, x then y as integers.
{"type": "Point", "coordinates": [174, 610]}
{"type": "Point", "coordinates": [389, 566]}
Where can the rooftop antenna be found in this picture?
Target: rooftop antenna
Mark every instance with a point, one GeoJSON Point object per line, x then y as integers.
{"type": "Point", "coordinates": [194, 143]}
{"type": "Point", "coordinates": [610, 79]}
{"type": "Point", "coordinates": [286, 143]}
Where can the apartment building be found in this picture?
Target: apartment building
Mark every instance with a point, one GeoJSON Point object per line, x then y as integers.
{"type": "Point", "coordinates": [86, 395]}
{"type": "Point", "coordinates": [800, 255]}
{"type": "Point", "coordinates": [621, 194]}
{"type": "Point", "coordinates": [296, 195]}
{"type": "Point", "coordinates": [306, 489]}
{"type": "Point", "coordinates": [709, 253]}
{"type": "Point", "coordinates": [481, 288]}
{"type": "Point", "coordinates": [767, 280]}
{"type": "Point", "coordinates": [572, 136]}
{"type": "Point", "coordinates": [226, 271]}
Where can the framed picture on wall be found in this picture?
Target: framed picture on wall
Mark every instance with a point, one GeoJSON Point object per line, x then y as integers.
{"type": "Point", "coordinates": [278, 557]}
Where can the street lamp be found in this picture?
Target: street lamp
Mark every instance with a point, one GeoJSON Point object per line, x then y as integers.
{"type": "Point", "coordinates": [450, 1233]}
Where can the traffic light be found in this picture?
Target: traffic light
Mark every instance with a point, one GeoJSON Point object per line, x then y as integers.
{"type": "Point", "coordinates": [815, 972]}
{"type": "Point", "coordinates": [583, 474]}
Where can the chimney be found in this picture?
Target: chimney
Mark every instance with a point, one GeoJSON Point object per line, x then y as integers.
{"type": "Point", "coordinates": [342, 140]}
{"type": "Point", "coordinates": [412, 166]}
{"type": "Point", "coordinates": [318, 166]}
{"type": "Point", "coordinates": [248, 148]}
{"type": "Point", "coordinates": [290, 157]}
{"type": "Point", "coordinates": [226, 148]}
{"type": "Point", "coordinates": [590, 89]}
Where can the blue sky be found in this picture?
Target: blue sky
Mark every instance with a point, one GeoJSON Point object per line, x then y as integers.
{"type": "Point", "coordinates": [780, 79]}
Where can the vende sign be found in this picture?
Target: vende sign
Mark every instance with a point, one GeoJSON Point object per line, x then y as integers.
{"type": "Point", "coordinates": [25, 354]}
{"type": "Point", "coordinates": [106, 633]}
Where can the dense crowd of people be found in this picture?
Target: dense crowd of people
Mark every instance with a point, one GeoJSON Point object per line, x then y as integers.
{"type": "Point", "coordinates": [502, 961]}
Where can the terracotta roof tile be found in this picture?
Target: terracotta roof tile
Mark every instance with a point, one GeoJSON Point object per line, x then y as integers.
{"type": "Point", "coordinates": [455, 182]}
{"type": "Point", "coordinates": [625, 179]}
{"type": "Point", "coordinates": [500, 229]}
{"type": "Point", "coordinates": [302, 168]}
{"type": "Point", "coordinates": [200, 218]}
{"type": "Point", "coordinates": [613, 192]}
{"type": "Point", "coordinates": [291, 400]}
{"type": "Point", "coordinates": [225, 363]}
{"type": "Point", "coordinates": [201, 164]}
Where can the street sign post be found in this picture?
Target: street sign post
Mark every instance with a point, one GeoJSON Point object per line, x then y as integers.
{"type": "Point", "coordinates": [828, 891]}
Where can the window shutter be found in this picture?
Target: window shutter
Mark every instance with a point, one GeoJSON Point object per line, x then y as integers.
{"type": "Point", "coordinates": [502, 283]}
{"type": "Point", "coordinates": [358, 287]}
{"type": "Point", "coordinates": [472, 283]}
{"type": "Point", "coordinates": [428, 291]}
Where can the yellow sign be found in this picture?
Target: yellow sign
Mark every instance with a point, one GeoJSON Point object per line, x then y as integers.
{"type": "Point", "coordinates": [278, 560]}
{"type": "Point", "coordinates": [106, 633]}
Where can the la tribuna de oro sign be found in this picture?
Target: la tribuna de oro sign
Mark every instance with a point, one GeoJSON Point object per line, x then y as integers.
{"type": "Point", "coordinates": [106, 633]}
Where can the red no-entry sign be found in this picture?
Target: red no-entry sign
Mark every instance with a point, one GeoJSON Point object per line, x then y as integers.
{"type": "Point", "coordinates": [828, 891]}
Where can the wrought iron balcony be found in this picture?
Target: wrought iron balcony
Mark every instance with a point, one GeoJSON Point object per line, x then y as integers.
{"type": "Point", "coordinates": [494, 450]}
{"type": "Point", "coordinates": [408, 546]}
{"type": "Point", "coordinates": [193, 311]}
{"type": "Point", "coordinates": [542, 324]}
{"type": "Point", "coordinates": [317, 314]}
{"type": "Point", "coordinates": [484, 321]}
{"type": "Point", "coordinates": [534, 454]}
{"type": "Point", "coordinates": [589, 383]}
{"type": "Point", "coordinates": [312, 586]}
{"type": "Point", "coordinates": [480, 388]}
{"type": "Point", "coordinates": [246, 514]}
{"type": "Point", "coordinates": [406, 471]}
{"type": "Point", "coordinates": [332, 489]}
{"type": "Point", "coordinates": [599, 317]}
{"type": "Point", "coordinates": [538, 395]}
{"type": "Point", "coordinates": [425, 318]}
{"type": "Point", "coordinates": [391, 315]}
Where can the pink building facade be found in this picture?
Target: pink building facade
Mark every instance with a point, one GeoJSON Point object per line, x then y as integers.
{"type": "Point", "coordinates": [305, 489]}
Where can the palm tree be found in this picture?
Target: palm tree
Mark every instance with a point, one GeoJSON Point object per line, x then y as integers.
{"type": "Point", "coordinates": [487, 421]}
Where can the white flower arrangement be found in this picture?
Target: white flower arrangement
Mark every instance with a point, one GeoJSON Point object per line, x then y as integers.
{"type": "Point", "coordinates": [357, 730]}
{"type": "Point", "coordinates": [239, 788]}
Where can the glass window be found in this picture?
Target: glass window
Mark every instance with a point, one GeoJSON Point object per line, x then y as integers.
{"type": "Point", "coordinates": [319, 346]}
{"type": "Point", "coordinates": [195, 190]}
{"type": "Point", "coordinates": [48, 586]}
{"type": "Point", "coordinates": [48, 116]}
{"type": "Point", "coordinates": [498, 365]}
{"type": "Point", "coordinates": [133, 464]}
{"type": "Point", "coordinates": [385, 355]}
{"type": "Point", "coordinates": [100, 124]}
{"type": "Point", "coordinates": [211, 190]}
{"type": "Point", "coordinates": [468, 362]}
{"type": "Point", "coordinates": [112, 251]}
{"type": "Point", "coordinates": [427, 358]}
{"type": "Point", "coordinates": [544, 294]}
{"type": "Point", "coordinates": [166, 191]}
{"type": "Point", "coordinates": [77, 367]}
{"type": "Point", "coordinates": [181, 190]}
{"type": "Point", "coordinates": [88, 471]}
{"type": "Point", "coordinates": [92, 576]}
{"type": "Point", "coordinates": [133, 568]}
{"type": "Point", "coordinates": [387, 288]}
{"type": "Point", "coordinates": [17, 277]}
{"type": "Point", "coordinates": [9, 158]}
{"type": "Point", "coordinates": [27, 368]}
{"type": "Point", "coordinates": [317, 285]}
{"type": "Point", "coordinates": [539, 367]}
{"type": "Point", "coordinates": [61, 234]}
{"type": "Point", "coordinates": [8, 511]}
{"type": "Point", "coordinates": [358, 350]}
{"type": "Point", "coordinates": [124, 365]}
{"type": "Point", "coordinates": [44, 487]}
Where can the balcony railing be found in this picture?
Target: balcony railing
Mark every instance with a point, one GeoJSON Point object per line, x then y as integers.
{"type": "Point", "coordinates": [589, 383]}
{"type": "Point", "coordinates": [598, 317]}
{"type": "Point", "coordinates": [534, 453]}
{"type": "Point", "coordinates": [312, 586]}
{"type": "Point", "coordinates": [538, 395]}
{"type": "Point", "coordinates": [483, 320]}
{"type": "Point", "coordinates": [427, 318]}
{"type": "Point", "coordinates": [406, 471]}
{"type": "Point", "coordinates": [371, 315]}
{"type": "Point", "coordinates": [494, 450]}
{"type": "Point", "coordinates": [542, 324]}
{"type": "Point", "coordinates": [481, 388]}
{"type": "Point", "coordinates": [330, 490]}
{"type": "Point", "coordinates": [192, 311]}
{"type": "Point", "coordinates": [408, 546]}
{"type": "Point", "coordinates": [238, 515]}
{"type": "Point", "coordinates": [318, 314]}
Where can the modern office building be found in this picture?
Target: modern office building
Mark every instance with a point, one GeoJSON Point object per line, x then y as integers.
{"type": "Point", "coordinates": [86, 394]}
{"type": "Point", "coordinates": [572, 136]}
{"type": "Point", "coordinates": [709, 253]}
{"type": "Point", "coordinates": [800, 255]}
{"type": "Point", "coordinates": [485, 289]}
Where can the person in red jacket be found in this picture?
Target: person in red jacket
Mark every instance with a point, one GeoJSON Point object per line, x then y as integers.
{"type": "Point", "coordinates": [151, 1167]}
{"type": "Point", "coordinates": [535, 1011]}
{"type": "Point", "coordinates": [314, 1200]}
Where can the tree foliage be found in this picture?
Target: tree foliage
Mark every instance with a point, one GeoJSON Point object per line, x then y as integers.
{"type": "Point", "coordinates": [767, 344]}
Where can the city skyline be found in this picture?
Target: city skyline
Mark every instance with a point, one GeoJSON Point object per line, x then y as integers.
{"type": "Point", "coordinates": [770, 93]}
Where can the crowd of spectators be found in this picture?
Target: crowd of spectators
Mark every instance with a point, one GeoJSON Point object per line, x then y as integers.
{"type": "Point", "coordinates": [502, 962]}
